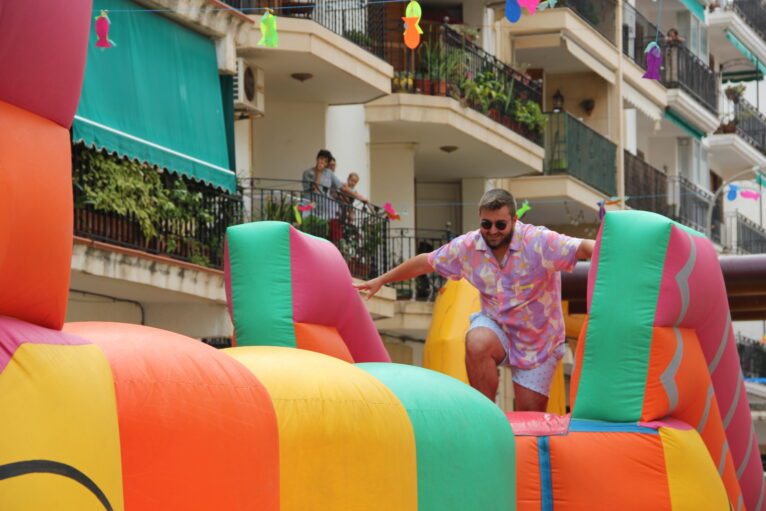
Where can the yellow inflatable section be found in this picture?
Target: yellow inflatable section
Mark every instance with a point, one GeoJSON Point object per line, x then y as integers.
{"type": "Point", "coordinates": [445, 343]}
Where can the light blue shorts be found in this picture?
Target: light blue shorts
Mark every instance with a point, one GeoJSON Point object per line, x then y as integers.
{"type": "Point", "coordinates": [538, 378]}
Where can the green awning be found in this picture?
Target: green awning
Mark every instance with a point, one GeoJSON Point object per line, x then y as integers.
{"type": "Point", "coordinates": [744, 50]}
{"type": "Point", "coordinates": [695, 8]}
{"type": "Point", "coordinates": [684, 124]}
{"type": "Point", "coordinates": [155, 96]}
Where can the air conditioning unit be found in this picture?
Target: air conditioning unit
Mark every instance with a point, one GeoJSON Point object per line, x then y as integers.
{"type": "Point", "coordinates": [248, 89]}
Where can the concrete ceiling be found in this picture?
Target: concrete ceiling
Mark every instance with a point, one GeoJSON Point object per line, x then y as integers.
{"type": "Point", "coordinates": [473, 158]}
{"type": "Point", "coordinates": [555, 57]}
{"type": "Point", "coordinates": [330, 84]}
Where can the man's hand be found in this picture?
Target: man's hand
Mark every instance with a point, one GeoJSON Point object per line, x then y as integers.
{"type": "Point", "coordinates": [369, 288]}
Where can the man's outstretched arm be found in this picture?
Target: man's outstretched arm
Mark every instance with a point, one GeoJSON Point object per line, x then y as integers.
{"type": "Point", "coordinates": [585, 250]}
{"type": "Point", "coordinates": [409, 269]}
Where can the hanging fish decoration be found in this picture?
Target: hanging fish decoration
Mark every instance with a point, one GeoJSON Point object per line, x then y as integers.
{"type": "Point", "coordinates": [747, 194]}
{"type": "Point", "coordinates": [269, 36]}
{"type": "Point", "coordinates": [523, 209]}
{"type": "Point", "coordinates": [547, 4]}
{"type": "Point", "coordinates": [601, 211]}
{"type": "Point", "coordinates": [102, 30]}
{"type": "Point", "coordinates": [653, 61]}
{"type": "Point", "coordinates": [512, 10]}
{"type": "Point", "coordinates": [733, 189]}
{"type": "Point", "coordinates": [390, 211]}
{"type": "Point", "coordinates": [531, 5]}
{"type": "Point", "coordinates": [414, 10]}
{"type": "Point", "coordinates": [411, 35]}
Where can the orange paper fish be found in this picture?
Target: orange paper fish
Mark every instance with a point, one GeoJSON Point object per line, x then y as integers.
{"type": "Point", "coordinates": [411, 34]}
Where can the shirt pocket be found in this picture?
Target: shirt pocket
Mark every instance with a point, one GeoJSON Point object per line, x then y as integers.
{"type": "Point", "coordinates": [524, 291]}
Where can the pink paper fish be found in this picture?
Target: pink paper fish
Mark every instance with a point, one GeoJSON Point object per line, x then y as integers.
{"type": "Point", "coordinates": [307, 207]}
{"type": "Point", "coordinates": [390, 211]}
{"type": "Point", "coordinates": [102, 30]}
{"type": "Point", "coordinates": [747, 194]}
{"type": "Point", "coordinates": [531, 5]}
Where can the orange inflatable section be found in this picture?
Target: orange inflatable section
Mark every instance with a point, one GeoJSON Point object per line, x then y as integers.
{"type": "Point", "coordinates": [35, 217]}
{"type": "Point", "coordinates": [576, 464]}
{"type": "Point", "coordinates": [528, 489]}
{"type": "Point", "coordinates": [322, 339]}
{"type": "Point", "coordinates": [690, 382]}
{"type": "Point", "coordinates": [228, 454]}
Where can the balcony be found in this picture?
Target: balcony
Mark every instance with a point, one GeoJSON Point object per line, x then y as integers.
{"type": "Point", "coordinates": [362, 234]}
{"type": "Point", "coordinates": [739, 143]}
{"type": "Point", "coordinates": [339, 45]}
{"type": "Point", "coordinates": [448, 64]}
{"type": "Point", "coordinates": [751, 238]}
{"type": "Point", "coordinates": [691, 205]}
{"type": "Point", "coordinates": [170, 216]}
{"type": "Point", "coordinates": [600, 14]}
{"type": "Point", "coordinates": [575, 149]}
{"type": "Point", "coordinates": [752, 357]}
{"type": "Point", "coordinates": [737, 30]}
{"type": "Point", "coordinates": [646, 186]}
{"type": "Point", "coordinates": [407, 243]}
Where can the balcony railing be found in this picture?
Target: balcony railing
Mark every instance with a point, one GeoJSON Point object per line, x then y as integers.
{"type": "Point", "coordinates": [692, 205]}
{"type": "Point", "coordinates": [360, 233]}
{"type": "Point", "coordinates": [751, 238]}
{"type": "Point", "coordinates": [646, 186]}
{"type": "Point", "coordinates": [753, 13]}
{"type": "Point", "coordinates": [194, 232]}
{"type": "Point", "coordinates": [600, 14]}
{"type": "Point", "coordinates": [752, 357]}
{"type": "Point", "coordinates": [448, 64]}
{"type": "Point", "coordinates": [573, 148]}
{"type": "Point", "coordinates": [360, 21]}
{"type": "Point", "coordinates": [407, 243]}
{"type": "Point", "coordinates": [749, 123]}
{"type": "Point", "coordinates": [637, 32]}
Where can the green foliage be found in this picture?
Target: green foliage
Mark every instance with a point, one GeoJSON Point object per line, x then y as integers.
{"type": "Point", "coordinates": [359, 38]}
{"type": "Point", "coordinates": [124, 187]}
{"type": "Point", "coordinates": [157, 203]}
{"type": "Point", "coordinates": [528, 112]}
{"type": "Point", "coordinates": [317, 226]}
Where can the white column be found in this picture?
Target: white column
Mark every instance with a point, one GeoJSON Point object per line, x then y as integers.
{"type": "Point", "coordinates": [243, 147]}
{"type": "Point", "coordinates": [287, 139]}
{"type": "Point", "coordinates": [347, 138]}
{"type": "Point", "coordinates": [392, 179]}
{"type": "Point", "coordinates": [472, 191]}
{"type": "Point", "coordinates": [631, 131]}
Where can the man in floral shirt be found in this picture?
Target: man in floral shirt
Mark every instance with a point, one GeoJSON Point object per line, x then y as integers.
{"type": "Point", "coordinates": [515, 266]}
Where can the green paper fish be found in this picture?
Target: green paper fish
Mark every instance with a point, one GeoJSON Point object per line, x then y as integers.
{"type": "Point", "coordinates": [269, 35]}
{"type": "Point", "coordinates": [523, 209]}
{"type": "Point", "coordinates": [413, 10]}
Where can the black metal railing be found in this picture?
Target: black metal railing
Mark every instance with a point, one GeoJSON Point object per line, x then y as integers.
{"type": "Point", "coordinates": [750, 124]}
{"type": "Point", "coordinates": [446, 63]}
{"type": "Point", "coordinates": [360, 233]}
{"type": "Point", "coordinates": [572, 147]}
{"type": "Point", "coordinates": [645, 186]}
{"type": "Point", "coordinates": [751, 238]}
{"type": "Point", "coordinates": [600, 14]}
{"type": "Point", "coordinates": [683, 70]}
{"type": "Point", "coordinates": [192, 232]}
{"type": "Point", "coordinates": [637, 32]}
{"type": "Point", "coordinates": [359, 21]}
{"type": "Point", "coordinates": [407, 243]}
{"type": "Point", "coordinates": [752, 12]}
{"type": "Point", "coordinates": [752, 357]}
{"type": "Point", "coordinates": [692, 206]}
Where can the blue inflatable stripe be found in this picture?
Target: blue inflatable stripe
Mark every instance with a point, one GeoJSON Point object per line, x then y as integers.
{"type": "Point", "coordinates": [586, 426]}
{"type": "Point", "coordinates": [546, 483]}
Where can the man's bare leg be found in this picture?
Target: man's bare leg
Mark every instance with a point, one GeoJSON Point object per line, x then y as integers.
{"type": "Point", "coordinates": [483, 352]}
{"type": "Point", "coordinates": [527, 400]}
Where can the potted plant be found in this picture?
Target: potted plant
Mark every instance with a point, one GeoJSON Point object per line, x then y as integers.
{"type": "Point", "coordinates": [360, 39]}
{"type": "Point", "coordinates": [531, 116]}
{"type": "Point", "coordinates": [728, 124]}
{"type": "Point", "coordinates": [735, 92]}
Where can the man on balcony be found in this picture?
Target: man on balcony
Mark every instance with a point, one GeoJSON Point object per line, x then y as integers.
{"type": "Point", "coordinates": [515, 267]}
{"type": "Point", "coordinates": [321, 180]}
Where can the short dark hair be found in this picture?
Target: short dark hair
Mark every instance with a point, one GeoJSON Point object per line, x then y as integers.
{"type": "Point", "coordinates": [324, 153]}
{"type": "Point", "coordinates": [496, 199]}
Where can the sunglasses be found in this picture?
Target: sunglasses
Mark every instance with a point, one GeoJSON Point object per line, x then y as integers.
{"type": "Point", "coordinates": [500, 224]}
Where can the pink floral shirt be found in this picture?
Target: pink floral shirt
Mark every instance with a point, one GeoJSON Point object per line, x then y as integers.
{"type": "Point", "coordinates": [523, 292]}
